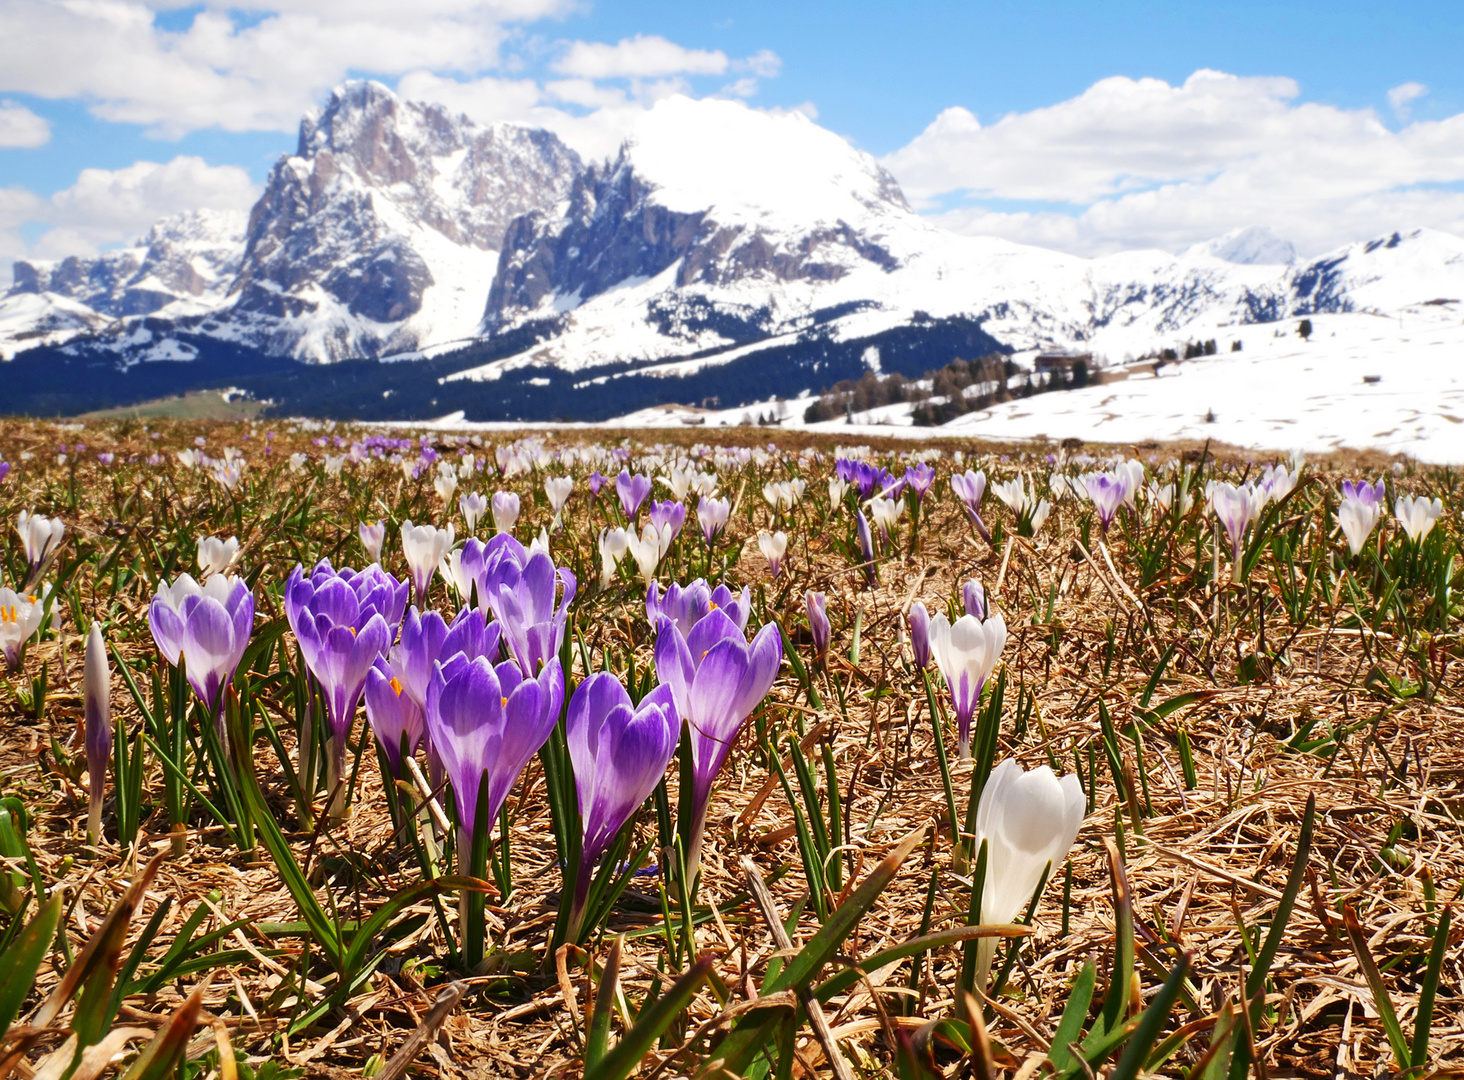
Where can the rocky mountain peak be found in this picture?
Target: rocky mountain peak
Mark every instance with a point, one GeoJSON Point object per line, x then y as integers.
{"type": "Point", "coordinates": [385, 199]}
{"type": "Point", "coordinates": [721, 192]}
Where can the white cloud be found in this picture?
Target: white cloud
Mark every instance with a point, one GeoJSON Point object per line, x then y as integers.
{"type": "Point", "coordinates": [256, 74]}
{"type": "Point", "coordinates": [1137, 162]}
{"type": "Point", "coordinates": [1402, 97]}
{"type": "Point", "coordinates": [21, 128]}
{"type": "Point", "coordinates": [107, 206]}
{"type": "Point", "coordinates": [645, 56]}
{"type": "Point", "coordinates": [594, 134]}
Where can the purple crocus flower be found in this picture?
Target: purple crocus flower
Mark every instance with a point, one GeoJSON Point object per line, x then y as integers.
{"type": "Point", "coordinates": [969, 487]}
{"type": "Point", "coordinates": [670, 513]}
{"type": "Point", "coordinates": [866, 548]}
{"type": "Point", "coordinates": [1108, 493]}
{"type": "Point", "coordinates": [632, 491]}
{"type": "Point", "coordinates": [524, 605]}
{"type": "Point", "coordinates": [396, 720]}
{"type": "Point", "coordinates": [343, 621]}
{"type": "Point", "coordinates": [973, 596]}
{"type": "Point", "coordinates": [1236, 508]}
{"type": "Point", "coordinates": [491, 564]}
{"type": "Point", "coordinates": [1368, 494]}
{"type": "Point", "coordinates": [596, 482]}
{"type": "Point", "coordinates": [620, 752]}
{"type": "Point", "coordinates": [487, 722]}
{"type": "Point", "coordinates": [717, 680]}
{"type": "Point", "coordinates": [4, 468]}
{"type": "Point", "coordinates": [686, 606]}
{"type": "Point", "coordinates": [920, 635]}
{"type": "Point", "coordinates": [205, 626]}
{"type": "Point", "coordinates": [816, 604]}
{"type": "Point", "coordinates": [920, 478]}
{"type": "Point", "coordinates": [712, 515]}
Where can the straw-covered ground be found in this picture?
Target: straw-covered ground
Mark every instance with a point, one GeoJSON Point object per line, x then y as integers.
{"type": "Point", "coordinates": [1201, 714]}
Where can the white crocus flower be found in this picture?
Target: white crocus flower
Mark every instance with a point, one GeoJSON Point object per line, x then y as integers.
{"type": "Point", "coordinates": [1028, 821]}
{"type": "Point", "coordinates": [216, 556]}
{"type": "Point", "coordinates": [334, 463]}
{"type": "Point", "coordinates": [773, 546]}
{"type": "Point", "coordinates": [425, 546]}
{"type": "Point", "coordinates": [540, 542]}
{"type": "Point", "coordinates": [227, 473]}
{"type": "Point", "coordinates": [39, 536]}
{"type": "Point", "coordinates": [679, 481]}
{"type": "Point", "coordinates": [837, 489]}
{"type": "Point", "coordinates": [445, 484]}
{"type": "Point", "coordinates": [505, 510]}
{"type": "Point", "coordinates": [451, 569]}
{"type": "Point", "coordinates": [704, 483]}
{"type": "Point", "coordinates": [298, 462]}
{"type": "Point", "coordinates": [613, 545]}
{"type": "Point", "coordinates": [473, 505]}
{"type": "Point", "coordinates": [557, 490]}
{"type": "Point", "coordinates": [967, 653]}
{"type": "Point", "coordinates": [1357, 520]}
{"type": "Point", "coordinates": [1163, 496]}
{"type": "Point", "coordinates": [20, 617]}
{"type": "Point", "coordinates": [189, 459]}
{"type": "Point", "coordinates": [886, 513]}
{"type": "Point", "coordinates": [647, 549]}
{"type": "Point", "coordinates": [1039, 515]}
{"type": "Point", "coordinates": [1417, 515]}
{"type": "Point", "coordinates": [372, 537]}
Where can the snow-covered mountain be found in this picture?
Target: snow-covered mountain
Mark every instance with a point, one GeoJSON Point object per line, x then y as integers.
{"type": "Point", "coordinates": [379, 234]}
{"type": "Point", "coordinates": [182, 267]}
{"type": "Point", "coordinates": [382, 232]}
{"type": "Point", "coordinates": [724, 253]}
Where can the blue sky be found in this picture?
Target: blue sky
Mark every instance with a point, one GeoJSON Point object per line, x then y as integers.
{"type": "Point", "coordinates": [214, 94]}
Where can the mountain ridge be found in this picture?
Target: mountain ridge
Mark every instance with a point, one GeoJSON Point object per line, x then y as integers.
{"type": "Point", "coordinates": [718, 237]}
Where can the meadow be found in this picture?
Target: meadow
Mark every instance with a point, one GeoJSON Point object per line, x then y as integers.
{"type": "Point", "coordinates": [342, 751]}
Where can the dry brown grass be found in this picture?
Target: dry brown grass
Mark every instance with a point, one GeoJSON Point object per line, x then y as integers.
{"type": "Point", "coordinates": [1202, 862]}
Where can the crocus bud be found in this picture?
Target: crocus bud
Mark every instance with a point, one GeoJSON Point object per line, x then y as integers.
{"type": "Point", "coordinates": [372, 537]}
{"type": "Point", "coordinates": [1417, 515]}
{"type": "Point", "coordinates": [620, 752]}
{"type": "Point", "coordinates": [505, 510]}
{"type": "Point", "coordinates": [920, 635]}
{"type": "Point", "coordinates": [613, 544]}
{"type": "Point", "coordinates": [39, 536]}
{"type": "Point", "coordinates": [818, 622]}
{"type": "Point", "coordinates": [974, 597]}
{"type": "Point", "coordinates": [1028, 822]}
{"type": "Point", "coordinates": [866, 547]}
{"type": "Point", "coordinates": [473, 506]}
{"type": "Point", "coordinates": [97, 698]}
{"type": "Point", "coordinates": [424, 546]}
{"type": "Point", "coordinates": [773, 547]}
{"type": "Point", "coordinates": [712, 515]}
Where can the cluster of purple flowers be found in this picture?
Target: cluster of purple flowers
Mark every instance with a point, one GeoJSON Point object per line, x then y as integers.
{"type": "Point", "coordinates": [480, 695]}
{"type": "Point", "coordinates": [870, 479]}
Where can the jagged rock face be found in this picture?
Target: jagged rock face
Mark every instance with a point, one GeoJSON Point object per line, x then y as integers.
{"type": "Point", "coordinates": [191, 257]}
{"type": "Point", "coordinates": [342, 222]}
{"type": "Point", "coordinates": [614, 229]}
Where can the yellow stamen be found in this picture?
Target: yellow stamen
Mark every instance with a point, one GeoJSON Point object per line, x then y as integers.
{"type": "Point", "coordinates": [396, 685]}
{"type": "Point", "coordinates": [505, 702]}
